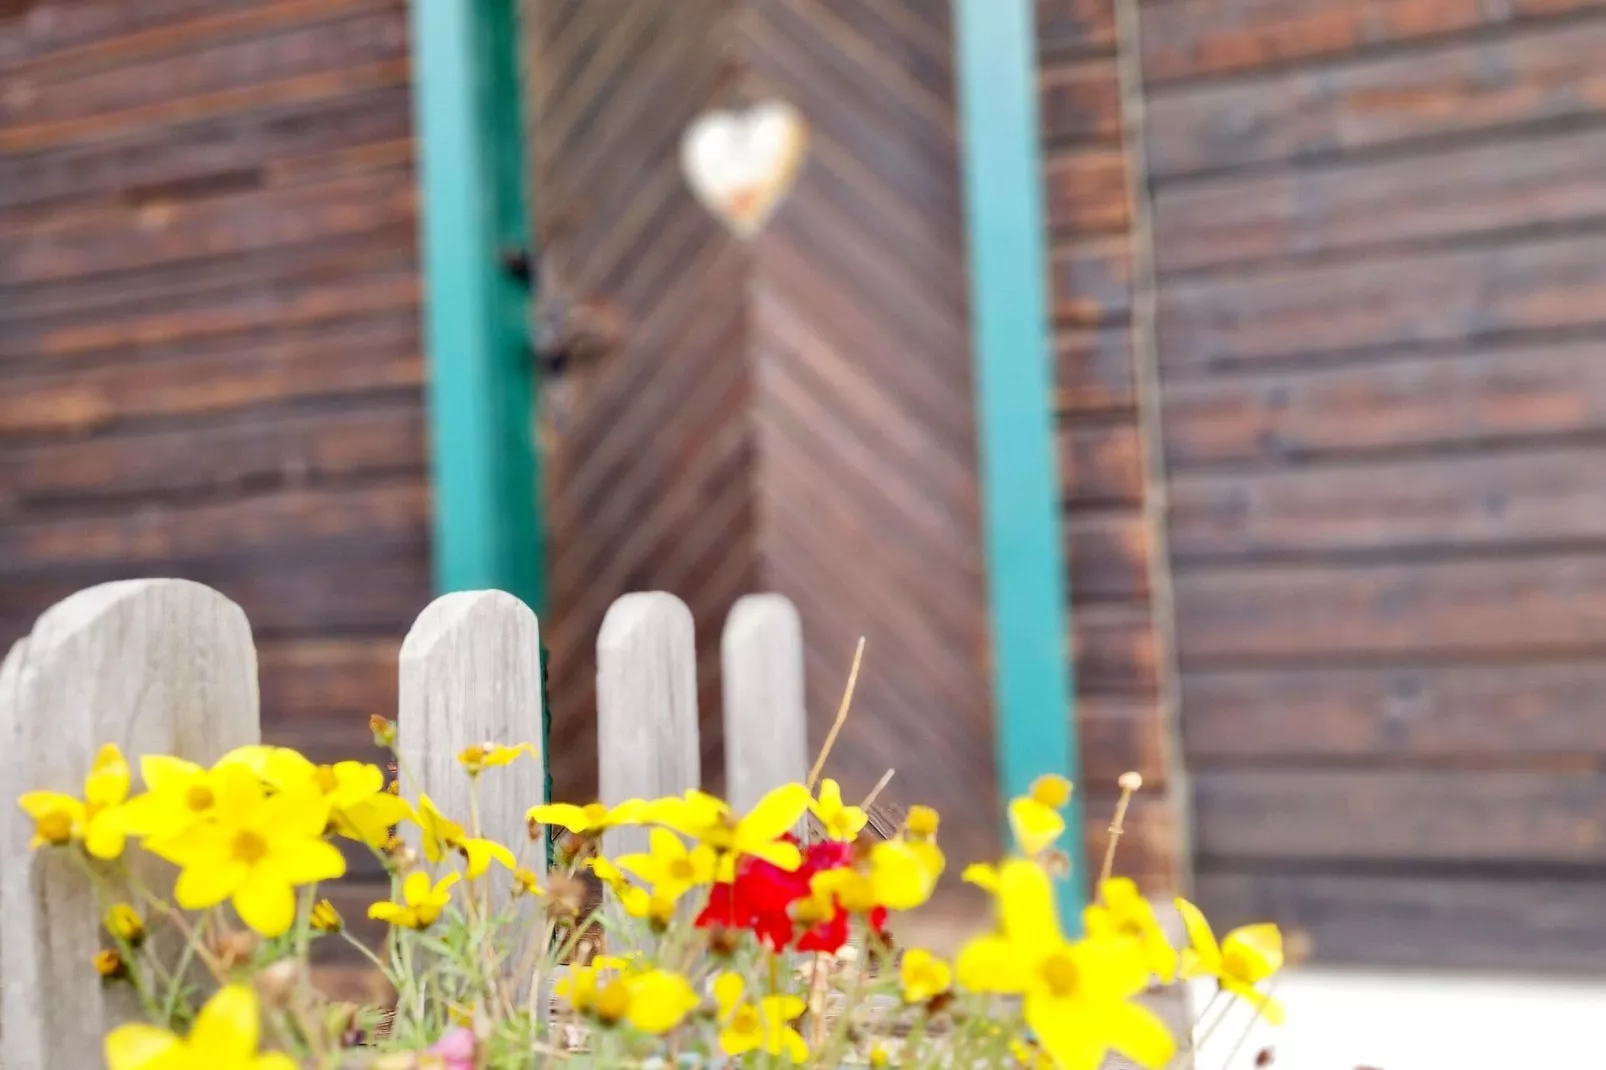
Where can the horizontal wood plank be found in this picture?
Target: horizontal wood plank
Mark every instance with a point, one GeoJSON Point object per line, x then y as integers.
{"type": "Point", "coordinates": [1075, 25]}
{"type": "Point", "coordinates": [1100, 464]}
{"type": "Point", "coordinates": [1518, 607]}
{"type": "Point", "coordinates": [1107, 556]}
{"type": "Point", "coordinates": [1485, 714]}
{"type": "Point", "coordinates": [1115, 650]}
{"type": "Point", "coordinates": [1475, 398]}
{"type": "Point", "coordinates": [1380, 102]}
{"type": "Point", "coordinates": [1371, 206]}
{"type": "Point", "coordinates": [1540, 496]}
{"type": "Point", "coordinates": [1117, 735]}
{"type": "Point", "coordinates": [1080, 101]}
{"type": "Point", "coordinates": [328, 360]}
{"type": "Point", "coordinates": [1408, 816]}
{"type": "Point", "coordinates": [1092, 370]}
{"type": "Point", "coordinates": [1087, 190]}
{"type": "Point", "coordinates": [1194, 38]}
{"type": "Point", "coordinates": [1149, 843]}
{"type": "Point", "coordinates": [255, 453]}
{"type": "Point", "coordinates": [1442, 296]}
{"type": "Point", "coordinates": [1090, 280]}
{"type": "Point", "coordinates": [328, 679]}
{"type": "Point", "coordinates": [278, 521]}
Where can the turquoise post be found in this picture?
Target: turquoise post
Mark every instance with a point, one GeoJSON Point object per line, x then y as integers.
{"type": "Point", "coordinates": [481, 393]}
{"type": "Point", "coordinates": [1033, 694]}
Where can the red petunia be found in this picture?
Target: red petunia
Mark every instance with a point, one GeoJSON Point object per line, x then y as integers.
{"type": "Point", "coordinates": [761, 898]}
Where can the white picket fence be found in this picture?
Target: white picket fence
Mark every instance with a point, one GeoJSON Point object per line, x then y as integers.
{"type": "Point", "coordinates": [168, 666]}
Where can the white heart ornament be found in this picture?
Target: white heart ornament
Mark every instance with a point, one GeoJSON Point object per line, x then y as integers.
{"type": "Point", "coordinates": [741, 165]}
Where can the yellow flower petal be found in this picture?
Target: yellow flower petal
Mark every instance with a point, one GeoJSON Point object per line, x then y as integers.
{"type": "Point", "coordinates": [142, 1047]}
{"type": "Point", "coordinates": [1026, 904]}
{"type": "Point", "coordinates": [1035, 826]}
{"type": "Point", "coordinates": [563, 815]}
{"type": "Point", "coordinates": [990, 964]}
{"type": "Point", "coordinates": [982, 875]}
{"type": "Point", "coordinates": [199, 887]}
{"type": "Point", "coordinates": [387, 911]}
{"type": "Point", "coordinates": [660, 1001]}
{"type": "Point", "coordinates": [274, 1060]}
{"type": "Point", "coordinates": [266, 904]}
{"type": "Point", "coordinates": [227, 1029]}
{"type": "Point", "coordinates": [104, 837]}
{"type": "Point", "coordinates": [306, 862]}
{"type": "Point", "coordinates": [109, 778]}
{"type": "Point", "coordinates": [1073, 1041]}
{"type": "Point", "coordinates": [773, 815]}
{"type": "Point", "coordinates": [779, 853]}
{"type": "Point", "coordinates": [1206, 953]}
{"type": "Point", "coordinates": [1267, 1007]}
{"type": "Point", "coordinates": [728, 989]}
{"type": "Point", "coordinates": [1253, 953]}
{"type": "Point", "coordinates": [163, 773]}
{"type": "Point", "coordinates": [481, 853]}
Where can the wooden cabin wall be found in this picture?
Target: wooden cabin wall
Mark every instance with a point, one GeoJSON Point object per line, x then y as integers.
{"type": "Point", "coordinates": [1109, 528]}
{"type": "Point", "coordinates": [209, 352]}
{"type": "Point", "coordinates": [1383, 306]}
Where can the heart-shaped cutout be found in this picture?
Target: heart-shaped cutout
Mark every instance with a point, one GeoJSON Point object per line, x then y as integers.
{"type": "Point", "coordinates": [741, 165]}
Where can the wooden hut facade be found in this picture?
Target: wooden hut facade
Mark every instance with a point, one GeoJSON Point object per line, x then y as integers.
{"type": "Point", "coordinates": [1239, 383]}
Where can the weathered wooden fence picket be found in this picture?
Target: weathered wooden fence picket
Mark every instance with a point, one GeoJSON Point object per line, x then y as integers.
{"type": "Point", "coordinates": [168, 666]}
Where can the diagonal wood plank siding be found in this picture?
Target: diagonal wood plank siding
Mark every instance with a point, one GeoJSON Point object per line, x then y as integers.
{"type": "Point", "coordinates": [649, 482]}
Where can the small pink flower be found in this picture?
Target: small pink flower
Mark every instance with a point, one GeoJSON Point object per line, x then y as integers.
{"type": "Point", "coordinates": [456, 1048]}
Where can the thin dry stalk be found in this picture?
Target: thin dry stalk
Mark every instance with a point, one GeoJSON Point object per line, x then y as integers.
{"type": "Point", "coordinates": [841, 716]}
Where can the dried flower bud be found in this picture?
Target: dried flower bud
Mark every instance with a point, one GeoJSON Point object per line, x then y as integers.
{"type": "Point", "coordinates": [277, 984]}
{"type": "Point", "coordinates": [1130, 781]}
{"type": "Point", "coordinates": [724, 941]}
{"type": "Point", "coordinates": [1266, 1057]}
{"type": "Point", "coordinates": [232, 947]}
{"type": "Point", "coordinates": [400, 857]}
{"type": "Point", "coordinates": [566, 894]}
{"type": "Point", "coordinates": [325, 918]}
{"type": "Point", "coordinates": [384, 731]}
{"type": "Point", "coordinates": [110, 965]}
{"type": "Point", "coordinates": [1055, 863]}
{"type": "Point", "coordinates": [124, 923]}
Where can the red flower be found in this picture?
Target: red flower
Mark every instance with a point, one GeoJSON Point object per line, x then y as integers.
{"type": "Point", "coordinates": [762, 897]}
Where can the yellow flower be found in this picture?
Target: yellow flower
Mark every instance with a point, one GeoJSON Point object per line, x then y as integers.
{"type": "Point", "coordinates": [96, 821]}
{"type": "Point", "coordinates": [659, 1000]}
{"type": "Point", "coordinates": [480, 756]}
{"type": "Point", "coordinates": [255, 851]}
{"type": "Point", "coordinates": [1244, 958]}
{"type": "Point", "coordinates": [711, 821]}
{"type": "Point", "coordinates": [178, 795]}
{"type": "Point", "coordinates": [360, 807]}
{"type": "Point", "coordinates": [607, 872]}
{"type": "Point", "coordinates": [325, 918]}
{"type": "Point", "coordinates": [1077, 996]}
{"type": "Point", "coordinates": [1030, 1056]}
{"type": "Point", "coordinates": [1036, 826]}
{"type": "Point", "coordinates": [879, 1059]}
{"type": "Point", "coordinates": [224, 1037]}
{"type": "Point", "coordinates": [841, 822]}
{"type": "Point", "coordinates": [669, 867]}
{"type": "Point", "coordinates": [640, 903]}
{"type": "Point", "coordinates": [421, 904]}
{"type": "Point", "coordinates": [525, 882]}
{"type": "Point", "coordinates": [441, 834]}
{"type": "Point", "coordinates": [903, 874]}
{"type": "Point", "coordinates": [923, 976]}
{"type": "Point", "coordinates": [124, 923]}
{"type": "Point", "coordinates": [591, 819]}
{"type": "Point", "coordinates": [1123, 912]}
{"type": "Point", "coordinates": [765, 1026]}
{"type": "Point", "coordinates": [921, 822]}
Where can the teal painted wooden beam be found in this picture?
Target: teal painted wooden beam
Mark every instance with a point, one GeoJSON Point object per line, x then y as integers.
{"type": "Point", "coordinates": [481, 392]}
{"type": "Point", "coordinates": [1033, 693]}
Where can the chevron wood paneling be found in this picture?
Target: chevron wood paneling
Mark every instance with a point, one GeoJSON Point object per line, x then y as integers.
{"type": "Point", "coordinates": [649, 477]}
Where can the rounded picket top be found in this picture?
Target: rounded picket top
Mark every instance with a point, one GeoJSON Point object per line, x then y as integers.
{"type": "Point", "coordinates": [766, 721]}
{"type": "Point", "coordinates": [470, 673]}
{"type": "Point", "coordinates": [647, 738]}
{"type": "Point", "coordinates": [154, 666]}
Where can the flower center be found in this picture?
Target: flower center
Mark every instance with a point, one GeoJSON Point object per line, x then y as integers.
{"type": "Point", "coordinates": [199, 798]}
{"type": "Point", "coordinates": [324, 776]}
{"type": "Point", "coordinates": [249, 847]}
{"type": "Point", "coordinates": [682, 870]}
{"type": "Point", "coordinates": [55, 827]}
{"type": "Point", "coordinates": [613, 1002]}
{"type": "Point", "coordinates": [1059, 974]}
{"type": "Point", "coordinates": [745, 1020]}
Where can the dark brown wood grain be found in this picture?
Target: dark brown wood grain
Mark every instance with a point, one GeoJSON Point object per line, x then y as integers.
{"type": "Point", "coordinates": [1080, 101]}
{"type": "Point", "coordinates": [1092, 370]}
{"type": "Point", "coordinates": [1090, 280]}
{"type": "Point", "coordinates": [1107, 556]}
{"type": "Point", "coordinates": [1115, 648]}
{"type": "Point", "coordinates": [1457, 400]}
{"type": "Point", "coordinates": [1375, 206]}
{"type": "Point", "coordinates": [1383, 101]}
{"type": "Point", "coordinates": [1387, 505]}
{"type": "Point", "coordinates": [1416, 922]}
{"type": "Point", "coordinates": [1119, 734]}
{"type": "Point", "coordinates": [1100, 463]}
{"type": "Point", "coordinates": [1434, 297]}
{"type": "Point", "coordinates": [1401, 815]}
{"type": "Point", "coordinates": [1548, 604]}
{"type": "Point", "coordinates": [1194, 38]}
{"type": "Point", "coordinates": [1476, 714]}
{"type": "Point", "coordinates": [1075, 25]}
{"type": "Point", "coordinates": [1087, 191]}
